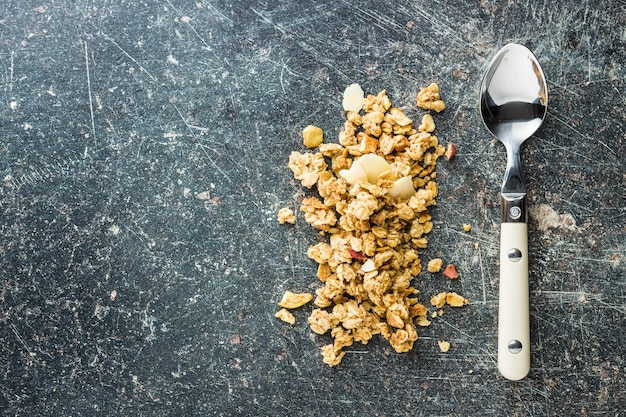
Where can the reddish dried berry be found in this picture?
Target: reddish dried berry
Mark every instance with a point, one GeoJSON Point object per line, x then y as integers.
{"type": "Point", "coordinates": [356, 255]}
{"type": "Point", "coordinates": [451, 151]}
{"type": "Point", "coordinates": [450, 272]}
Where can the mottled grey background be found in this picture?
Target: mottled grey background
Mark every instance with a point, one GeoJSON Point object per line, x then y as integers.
{"type": "Point", "coordinates": [123, 293]}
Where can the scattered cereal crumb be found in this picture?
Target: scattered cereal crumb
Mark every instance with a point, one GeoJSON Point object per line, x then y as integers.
{"type": "Point", "coordinates": [322, 321]}
{"type": "Point", "coordinates": [451, 298]}
{"type": "Point", "coordinates": [439, 300]}
{"type": "Point", "coordinates": [444, 346]}
{"type": "Point", "coordinates": [286, 316]}
{"type": "Point", "coordinates": [450, 151]}
{"type": "Point", "coordinates": [455, 300]}
{"type": "Point", "coordinates": [433, 314]}
{"type": "Point", "coordinates": [428, 124]}
{"type": "Point", "coordinates": [353, 98]}
{"type": "Point", "coordinates": [286, 215]}
{"type": "Point", "coordinates": [331, 355]}
{"type": "Point", "coordinates": [476, 245]}
{"type": "Point", "coordinates": [293, 300]}
{"type": "Point", "coordinates": [307, 167]}
{"type": "Point", "coordinates": [422, 321]}
{"type": "Point", "coordinates": [450, 272]}
{"type": "Point", "coordinates": [467, 227]}
{"type": "Point", "coordinates": [312, 136]}
{"type": "Point", "coordinates": [428, 98]}
{"type": "Point", "coordinates": [434, 265]}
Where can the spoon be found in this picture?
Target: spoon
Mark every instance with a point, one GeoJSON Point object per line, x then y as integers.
{"type": "Point", "coordinates": [513, 104]}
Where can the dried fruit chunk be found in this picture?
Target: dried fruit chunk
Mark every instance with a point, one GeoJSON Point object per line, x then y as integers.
{"type": "Point", "coordinates": [285, 316]}
{"type": "Point", "coordinates": [294, 300]}
{"type": "Point", "coordinates": [312, 136]}
{"type": "Point", "coordinates": [450, 151]}
{"type": "Point", "coordinates": [450, 272]}
{"type": "Point", "coordinates": [286, 215]}
{"type": "Point", "coordinates": [428, 98]}
{"type": "Point", "coordinates": [444, 346]}
{"type": "Point", "coordinates": [434, 265]}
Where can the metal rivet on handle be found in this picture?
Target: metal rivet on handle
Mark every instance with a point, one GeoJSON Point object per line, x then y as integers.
{"type": "Point", "coordinates": [515, 346]}
{"type": "Point", "coordinates": [515, 212]}
{"type": "Point", "coordinates": [515, 255]}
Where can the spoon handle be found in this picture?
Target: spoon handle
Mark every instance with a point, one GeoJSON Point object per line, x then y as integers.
{"type": "Point", "coordinates": [513, 314]}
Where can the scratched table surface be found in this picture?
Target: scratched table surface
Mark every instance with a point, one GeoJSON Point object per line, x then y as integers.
{"type": "Point", "coordinates": [144, 158]}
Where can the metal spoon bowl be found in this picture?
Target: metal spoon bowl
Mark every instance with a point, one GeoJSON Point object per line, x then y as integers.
{"type": "Point", "coordinates": [513, 104]}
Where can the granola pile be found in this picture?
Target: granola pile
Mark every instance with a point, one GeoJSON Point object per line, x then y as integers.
{"type": "Point", "coordinates": [375, 187]}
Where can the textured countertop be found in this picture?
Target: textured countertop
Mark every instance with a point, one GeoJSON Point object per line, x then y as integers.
{"type": "Point", "coordinates": [144, 158]}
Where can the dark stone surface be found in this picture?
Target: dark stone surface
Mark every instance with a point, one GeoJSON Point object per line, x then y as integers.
{"type": "Point", "coordinates": [122, 293]}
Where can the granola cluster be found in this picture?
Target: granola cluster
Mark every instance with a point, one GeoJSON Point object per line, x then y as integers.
{"type": "Point", "coordinates": [367, 264]}
{"type": "Point", "coordinates": [374, 190]}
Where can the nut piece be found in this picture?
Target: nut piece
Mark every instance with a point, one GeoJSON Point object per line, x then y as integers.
{"type": "Point", "coordinates": [313, 136]}
{"type": "Point", "coordinates": [368, 266]}
{"type": "Point", "coordinates": [285, 316]}
{"type": "Point", "coordinates": [293, 300]}
{"type": "Point", "coordinates": [450, 272]}
{"type": "Point", "coordinates": [428, 98]}
{"type": "Point", "coordinates": [444, 346]}
{"type": "Point", "coordinates": [434, 265]}
{"type": "Point", "coordinates": [353, 98]}
{"type": "Point", "coordinates": [286, 215]}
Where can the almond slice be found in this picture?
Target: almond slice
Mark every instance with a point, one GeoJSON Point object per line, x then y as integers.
{"type": "Point", "coordinates": [353, 98]}
{"type": "Point", "coordinates": [402, 188]}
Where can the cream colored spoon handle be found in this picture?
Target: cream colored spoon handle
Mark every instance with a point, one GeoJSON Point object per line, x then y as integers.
{"type": "Point", "coordinates": [513, 311]}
